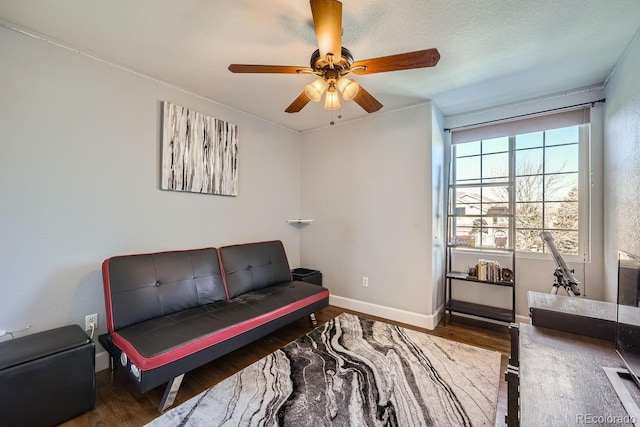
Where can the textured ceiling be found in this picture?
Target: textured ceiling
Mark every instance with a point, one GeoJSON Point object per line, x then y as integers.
{"type": "Point", "coordinates": [492, 52]}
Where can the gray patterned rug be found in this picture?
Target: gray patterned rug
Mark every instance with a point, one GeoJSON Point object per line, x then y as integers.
{"type": "Point", "coordinates": [353, 371]}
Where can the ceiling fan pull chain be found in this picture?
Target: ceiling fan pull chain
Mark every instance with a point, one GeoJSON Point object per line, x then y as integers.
{"type": "Point", "coordinates": [330, 60]}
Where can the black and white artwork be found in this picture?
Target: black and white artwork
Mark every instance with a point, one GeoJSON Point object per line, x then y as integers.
{"type": "Point", "coordinates": [199, 153]}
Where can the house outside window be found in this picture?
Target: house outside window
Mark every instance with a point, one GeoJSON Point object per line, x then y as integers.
{"type": "Point", "coordinates": [547, 163]}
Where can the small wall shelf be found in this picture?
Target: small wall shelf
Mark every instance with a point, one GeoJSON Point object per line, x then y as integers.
{"type": "Point", "coordinates": [300, 221]}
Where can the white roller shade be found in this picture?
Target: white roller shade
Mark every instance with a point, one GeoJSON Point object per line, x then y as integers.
{"type": "Point", "coordinates": [517, 126]}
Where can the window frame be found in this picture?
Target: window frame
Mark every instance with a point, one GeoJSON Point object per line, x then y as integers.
{"type": "Point", "coordinates": [584, 191]}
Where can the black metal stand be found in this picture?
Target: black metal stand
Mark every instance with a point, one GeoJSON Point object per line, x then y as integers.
{"type": "Point", "coordinates": [569, 286]}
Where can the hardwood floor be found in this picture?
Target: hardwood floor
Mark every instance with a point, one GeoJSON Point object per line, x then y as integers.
{"type": "Point", "coordinates": [119, 403]}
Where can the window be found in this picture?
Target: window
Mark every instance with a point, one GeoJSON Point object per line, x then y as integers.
{"type": "Point", "coordinates": [548, 166]}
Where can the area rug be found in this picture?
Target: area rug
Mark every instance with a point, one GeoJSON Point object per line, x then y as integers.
{"type": "Point", "coordinates": [353, 371]}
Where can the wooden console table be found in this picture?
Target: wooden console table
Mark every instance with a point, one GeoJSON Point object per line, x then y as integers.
{"type": "Point", "coordinates": [562, 382]}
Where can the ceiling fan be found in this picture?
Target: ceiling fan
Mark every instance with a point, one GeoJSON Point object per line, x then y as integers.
{"type": "Point", "coordinates": [331, 62]}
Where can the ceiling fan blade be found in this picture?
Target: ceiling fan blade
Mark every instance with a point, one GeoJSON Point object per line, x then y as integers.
{"type": "Point", "coordinates": [298, 104]}
{"type": "Point", "coordinates": [367, 101]}
{"type": "Point", "coordinates": [402, 61]}
{"type": "Point", "coordinates": [327, 20]}
{"type": "Point", "coordinates": [276, 69]}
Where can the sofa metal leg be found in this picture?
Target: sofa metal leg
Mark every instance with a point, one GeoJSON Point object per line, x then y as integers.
{"type": "Point", "coordinates": [312, 318]}
{"type": "Point", "coordinates": [170, 393]}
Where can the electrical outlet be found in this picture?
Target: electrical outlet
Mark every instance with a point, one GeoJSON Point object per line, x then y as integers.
{"type": "Point", "coordinates": [365, 281]}
{"type": "Point", "coordinates": [91, 319]}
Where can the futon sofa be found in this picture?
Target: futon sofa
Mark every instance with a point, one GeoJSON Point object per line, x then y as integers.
{"type": "Point", "coordinates": [170, 312]}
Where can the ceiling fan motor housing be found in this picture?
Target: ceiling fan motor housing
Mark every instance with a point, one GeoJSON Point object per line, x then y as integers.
{"type": "Point", "coordinates": [321, 65]}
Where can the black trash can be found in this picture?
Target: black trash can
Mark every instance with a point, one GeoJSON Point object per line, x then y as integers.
{"type": "Point", "coordinates": [307, 275]}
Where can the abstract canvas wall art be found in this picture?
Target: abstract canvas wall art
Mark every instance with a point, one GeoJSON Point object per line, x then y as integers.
{"type": "Point", "coordinates": [199, 153]}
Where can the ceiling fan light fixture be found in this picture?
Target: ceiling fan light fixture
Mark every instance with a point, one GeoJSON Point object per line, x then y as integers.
{"type": "Point", "coordinates": [332, 61]}
{"type": "Point", "coordinates": [332, 100]}
{"type": "Point", "coordinates": [315, 89]}
{"type": "Point", "coordinates": [349, 88]}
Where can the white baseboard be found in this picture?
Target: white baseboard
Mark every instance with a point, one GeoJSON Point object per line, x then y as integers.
{"type": "Point", "coordinates": [403, 316]}
{"type": "Point", "coordinates": [102, 360]}
{"type": "Point", "coordinates": [411, 318]}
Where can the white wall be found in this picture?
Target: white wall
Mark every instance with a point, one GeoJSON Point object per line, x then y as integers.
{"type": "Point", "coordinates": [438, 218]}
{"type": "Point", "coordinates": [535, 273]}
{"type": "Point", "coordinates": [367, 184]}
{"type": "Point", "coordinates": [622, 164]}
{"type": "Point", "coordinates": [79, 181]}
